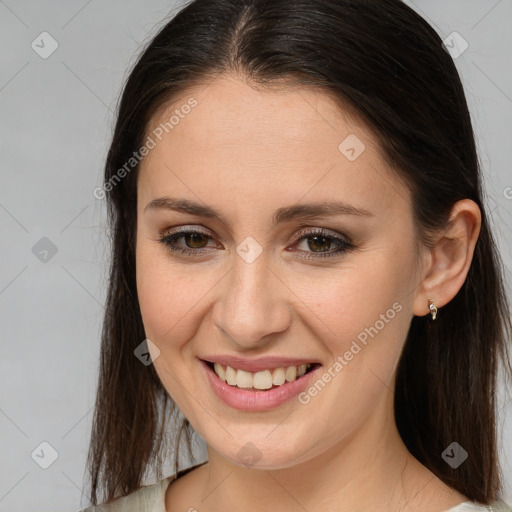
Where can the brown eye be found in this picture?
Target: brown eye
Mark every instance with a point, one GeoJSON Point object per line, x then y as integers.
{"type": "Point", "coordinates": [195, 240]}
{"type": "Point", "coordinates": [319, 243]}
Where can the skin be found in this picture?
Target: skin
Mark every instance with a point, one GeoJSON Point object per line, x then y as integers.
{"type": "Point", "coordinates": [247, 152]}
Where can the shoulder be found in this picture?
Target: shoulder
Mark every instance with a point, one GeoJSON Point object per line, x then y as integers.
{"type": "Point", "coordinates": [501, 506]}
{"type": "Point", "coordinates": [149, 498]}
{"type": "Point", "coordinates": [470, 506]}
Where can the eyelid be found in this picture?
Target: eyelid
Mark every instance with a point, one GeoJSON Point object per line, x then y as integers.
{"type": "Point", "coordinates": [315, 230]}
{"type": "Point", "coordinates": [343, 242]}
{"type": "Point", "coordinates": [302, 230]}
{"type": "Point", "coordinates": [186, 229]}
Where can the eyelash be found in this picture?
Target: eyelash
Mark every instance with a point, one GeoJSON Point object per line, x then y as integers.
{"type": "Point", "coordinates": [344, 245]}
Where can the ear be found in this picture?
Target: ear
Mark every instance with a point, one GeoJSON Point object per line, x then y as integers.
{"type": "Point", "coordinates": [448, 262]}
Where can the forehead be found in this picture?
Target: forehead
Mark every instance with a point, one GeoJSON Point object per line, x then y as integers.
{"type": "Point", "coordinates": [230, 110]}
{"type": "Point", "coordinates": [246, 139]}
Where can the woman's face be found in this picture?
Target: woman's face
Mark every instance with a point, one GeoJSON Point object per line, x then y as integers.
{"type": "Point", "coordinates": [258, 281]}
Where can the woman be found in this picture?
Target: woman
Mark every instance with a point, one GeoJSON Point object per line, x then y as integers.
{"type": "Point", "coordinates": [302, 266]}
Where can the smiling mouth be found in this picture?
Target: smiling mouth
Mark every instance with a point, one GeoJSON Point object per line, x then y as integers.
{"type": "Point", "coordinates": [264, 380]}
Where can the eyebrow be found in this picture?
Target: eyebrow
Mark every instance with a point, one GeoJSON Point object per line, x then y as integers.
{"type": "Point", "coordinates": [285, 214]}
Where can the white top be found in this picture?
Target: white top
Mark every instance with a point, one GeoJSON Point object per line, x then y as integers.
{"type": "Point", "coordinates": [151, 498]}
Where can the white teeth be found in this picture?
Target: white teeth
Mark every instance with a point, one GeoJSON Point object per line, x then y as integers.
{"type": "Point", "coordinates": [243, 379]}
{"type": "Point", "coordinates": [278, 376]}
{"type": "Point", "coordinates": [291, 373]}
{"type": "Point", "coordinates": [230, 376]}
{"type": "Point", "coordinates": [264, 379]}
{"type": "Point", "coordinates": [219, 370]}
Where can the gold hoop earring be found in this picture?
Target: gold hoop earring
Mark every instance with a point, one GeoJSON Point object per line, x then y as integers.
{"type": "Point", "coordinates": [433, 308]}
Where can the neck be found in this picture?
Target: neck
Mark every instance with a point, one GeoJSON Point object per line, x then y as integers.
{"type": "Point", "coordinates": [370, 469]}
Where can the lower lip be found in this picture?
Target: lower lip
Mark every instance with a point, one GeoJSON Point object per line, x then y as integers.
{"type": "Point", "coordinates": [257, 400]}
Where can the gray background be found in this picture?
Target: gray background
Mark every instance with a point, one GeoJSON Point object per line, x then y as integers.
{"type": "Point", "coordinates": [57, 118]}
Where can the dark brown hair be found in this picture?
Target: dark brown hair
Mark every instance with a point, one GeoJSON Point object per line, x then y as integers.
{"type": "Point", "coordinates": [387, 64]}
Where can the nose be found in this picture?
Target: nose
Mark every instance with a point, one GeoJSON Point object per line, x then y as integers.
{"type": "Point", "coordinates": [252, 306]}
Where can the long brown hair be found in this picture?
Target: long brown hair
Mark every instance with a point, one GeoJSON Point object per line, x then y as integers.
{"type": "Point", "coordinates": [388, 64]}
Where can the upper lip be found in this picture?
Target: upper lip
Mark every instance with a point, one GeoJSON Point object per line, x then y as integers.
{"type": "Point", "coordinates": [259, 364]}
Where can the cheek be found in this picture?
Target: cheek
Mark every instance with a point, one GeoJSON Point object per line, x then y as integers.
{"type": "Point", "coordinates": [365, 319]}
{"type": "Point", "coordinates": [169, 297]}
{"type": "Point", "coordinates": [364, 311]}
